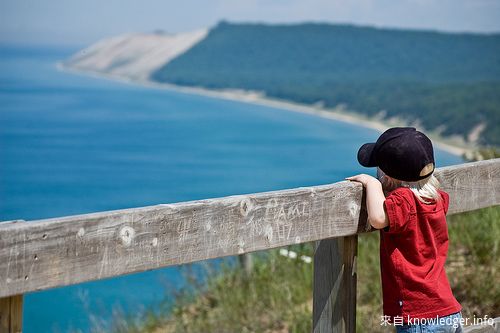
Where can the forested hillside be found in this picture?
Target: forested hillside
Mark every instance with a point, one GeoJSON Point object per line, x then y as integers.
{"type": "Point", "coordinates": [449, 82]}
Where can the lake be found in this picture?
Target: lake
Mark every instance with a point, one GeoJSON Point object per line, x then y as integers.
{"type": "Point", "coordinates": [72, 144]}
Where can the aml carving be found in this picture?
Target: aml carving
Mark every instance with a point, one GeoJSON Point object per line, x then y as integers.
{"type": "Point", "coordinates": [183, 229]}
{"type": "Point", "coordinates": [281, 216]}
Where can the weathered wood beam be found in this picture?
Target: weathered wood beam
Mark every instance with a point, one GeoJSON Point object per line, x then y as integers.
{"type": "Point", "coordinates": [55, 252]}
{"type": "Point", "coordinates": [48, 253]}
{"type": "Point", "coordinates": [471, 186]}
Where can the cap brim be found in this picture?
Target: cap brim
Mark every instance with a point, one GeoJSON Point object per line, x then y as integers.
{"type": "Point", "coordinates": [365, 155]}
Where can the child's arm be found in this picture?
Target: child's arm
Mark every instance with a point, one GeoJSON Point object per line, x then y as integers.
{"type": "Point", "coordinates": [377, 217]}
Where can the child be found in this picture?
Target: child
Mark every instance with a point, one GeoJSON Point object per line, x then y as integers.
{"type": "Point", "coordinates": [413, 233]}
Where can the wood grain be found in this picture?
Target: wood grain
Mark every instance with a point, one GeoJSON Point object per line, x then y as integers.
{"type": "Point", "coordinates": [472, 185]}
{"type": "Point", "coordinates": [55, 252]}
{"type": "Point", "coordinates": [335, 276]}
{"type": "Point", "coordinates": [11, 314]}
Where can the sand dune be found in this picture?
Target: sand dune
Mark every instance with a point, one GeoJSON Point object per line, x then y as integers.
{"type": "Point", "coordinates": [133, 56]}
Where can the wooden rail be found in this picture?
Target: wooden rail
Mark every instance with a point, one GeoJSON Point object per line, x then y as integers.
{"type": "Point", "coordinates": [49, 253]}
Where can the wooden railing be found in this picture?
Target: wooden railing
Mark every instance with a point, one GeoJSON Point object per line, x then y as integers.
{"type": "Point", "coordinates": [49, 253]}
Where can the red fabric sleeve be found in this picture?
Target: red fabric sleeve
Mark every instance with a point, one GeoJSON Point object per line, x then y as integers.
{"type": "Point", "coordinates": [445, 200]}
{"type": "Point", "coordinates": [399, 210]}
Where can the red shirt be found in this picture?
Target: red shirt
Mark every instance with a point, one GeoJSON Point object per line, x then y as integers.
{"type": "Point", "coordinates": [413, 250]}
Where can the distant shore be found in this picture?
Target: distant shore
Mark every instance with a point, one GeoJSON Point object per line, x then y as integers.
{"type": "Point", "coordinates": [454, 146]}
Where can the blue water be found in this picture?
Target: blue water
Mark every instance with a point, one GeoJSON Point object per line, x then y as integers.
{"type": "Point", "coordinates": [71, 144]}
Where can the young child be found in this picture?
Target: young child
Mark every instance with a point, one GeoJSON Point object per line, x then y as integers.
{"type": "Point", "coordinates": [408, 207]}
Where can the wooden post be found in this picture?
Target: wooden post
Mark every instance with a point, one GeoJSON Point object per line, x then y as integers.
{"type": "Point", "coordinates": [334, 295]}
{"type": "Point", "coordinates": [246, 263]}
{"type": "Point", "coordinates": [11, 314]}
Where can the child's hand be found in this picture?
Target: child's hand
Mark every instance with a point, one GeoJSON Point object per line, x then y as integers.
{"type": "Point", "coordinates": [363, 179]}
{"type": "Point", "coordinates": [375, 198]}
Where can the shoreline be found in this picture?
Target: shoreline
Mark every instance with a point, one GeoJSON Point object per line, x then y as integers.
{"type": "Point", "coordinates": [338, 113]}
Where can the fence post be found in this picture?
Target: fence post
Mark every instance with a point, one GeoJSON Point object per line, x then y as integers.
{"type": "Point", "coordinates": [246, 264]}
{"type": "Point", "coordinates": [334, 295]}
{"type": "Point", "coordinates": [11, 314]}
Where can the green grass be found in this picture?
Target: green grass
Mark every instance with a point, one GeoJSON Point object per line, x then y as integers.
{"type": "Point", "coordinates": [277, 296]}
{"type": "Point", "coordinates": [474, 261]}
{"type": "Point", "coordinates": [274, 297]}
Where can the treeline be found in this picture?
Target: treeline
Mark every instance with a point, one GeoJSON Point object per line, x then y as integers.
{"type": "Point", "coordinates": [449, 82]}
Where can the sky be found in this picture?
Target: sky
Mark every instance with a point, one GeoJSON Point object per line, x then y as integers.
{"type": "Point", "coordinates": [82, 22]}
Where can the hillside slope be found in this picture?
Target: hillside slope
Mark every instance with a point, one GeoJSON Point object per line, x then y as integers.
{"type": "Point", "coordinates": [449, 83]}
{"type": "Point", "coordinates": [133, 56]}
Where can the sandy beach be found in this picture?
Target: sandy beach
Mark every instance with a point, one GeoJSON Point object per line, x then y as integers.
{"type": "Point", "coordinates": [454, 146]}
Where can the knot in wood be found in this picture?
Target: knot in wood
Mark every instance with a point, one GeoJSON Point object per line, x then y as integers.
{"type": "Point", "coordinates": [80, 233]}
{"type": "Point", "coordinates": [127, 235]}
{"type": "Point", "coordinates": [245, 206]}
{"type": "Point", "coordinates": [354, 208]}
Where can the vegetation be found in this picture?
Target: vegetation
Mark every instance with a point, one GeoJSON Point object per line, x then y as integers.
{"type": "Point", "coordinates": [277, 296]}
{"type": "Point", "coordinates": [482, 154]}
{"type": "Point", "coordinates": [447, 82]}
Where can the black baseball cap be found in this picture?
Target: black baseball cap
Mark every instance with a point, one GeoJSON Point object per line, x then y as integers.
{"type": "Point", "coordinates": [402, 153]}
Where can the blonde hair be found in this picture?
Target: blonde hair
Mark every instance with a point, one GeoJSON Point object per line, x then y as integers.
{"type": "Point", "coordinates": [425, 190]}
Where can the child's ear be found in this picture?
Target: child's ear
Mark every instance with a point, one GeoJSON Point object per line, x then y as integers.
{"type": "Point", "coordinates": [427, 170]}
